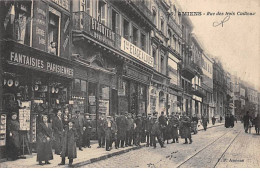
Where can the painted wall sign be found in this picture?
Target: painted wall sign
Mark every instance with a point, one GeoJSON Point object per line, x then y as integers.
{"type": "Point", "coordinates": [136, 52]}
{"type": "Point", "coordinates": [39, 64]}
{"type": "Point", "coordinates": [40, 25]}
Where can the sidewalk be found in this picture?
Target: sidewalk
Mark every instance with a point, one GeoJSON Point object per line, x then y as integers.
{"type": "Point", "coordinates": [88, 155]}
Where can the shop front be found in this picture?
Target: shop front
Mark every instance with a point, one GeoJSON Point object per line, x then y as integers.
{"type": "Point", "coordinates": [158, 92]}
{"type": "Point", "coordinates": [174, 101]}
{"type": "Point", "coordinates": [196, 106]}
{"type": "Point", "coordinates": [133, 83]}
{"type": "Point", "coordinates": [34, 83]}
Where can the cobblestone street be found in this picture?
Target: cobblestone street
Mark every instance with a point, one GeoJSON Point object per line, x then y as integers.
{"type": "Point", "coordinates": [216, 147]}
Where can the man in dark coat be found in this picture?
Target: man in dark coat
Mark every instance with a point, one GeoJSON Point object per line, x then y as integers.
{"type": "Point", "coordinates": [257, 124]}
{"type": "Point", "coordinates": [213, 120]}
{"type": "Point", "coordinates": [185, 125]}
{"type": "Point", "coordinates": [44, 136]}
{"type": "Point", "coordinates": [129, 130]}
{"type": "Point", "coordinates": [101, 131]}
{"type": "Point", "coordinates": [69, 139]}
{"type": "Point", "coordinates": [227, 121]}
{"type": "Point", "coordinates": [232, 121]}
{"type": "Point", "coordinates": [138, 129]}
{"type": "Point", "coordinates": [57, 127]}
{"type": "Point", "coordinates": [246, 121]}
{"type": "Point", "coordinates": [205, 121]}
{"type": "Point", "coordinates": [87, 131]}
{"type": "Point", "coordinates": [114, 133]}
{"type": "Point", "coordinates": [156, 132]}
{"type": "Point", "coordinates": [13, 137]}
{"type": "Point", "coordinates": [175, 125]}
{"type": "Point", "coordinates": [143, 136]}
{"type": "Point", "coordinates": [79, 124]}
{"type": "Point", "coordinates": [121, 126]}
{"type": "Point", "coordinates": [163, 124]}
{"type": "Point", "coordinates": [148, 128]}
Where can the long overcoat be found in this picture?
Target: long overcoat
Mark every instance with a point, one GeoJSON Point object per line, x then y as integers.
{"type": "Point", "coordinates": [44, 147]}
{"type": "Point", "coordinates": [13, 127]}
{"type": "Point", "coordinates": [185, 127]}
{"type": "Point", "coordinates": [121, 127]}
{"type": "Point", "coordinates": [69, 139]}
{"type": "Point", "coordinates": [57, 127]}
{"type": "Point", "coordinates": [175, 124]}
{"type": "Point", "coordinates": [156, 131]}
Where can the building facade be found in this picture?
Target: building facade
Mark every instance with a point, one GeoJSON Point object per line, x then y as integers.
{"type": "Point", "coordinates": [35, 66]}
{"type": "Point", "coordinates": [207, 84]}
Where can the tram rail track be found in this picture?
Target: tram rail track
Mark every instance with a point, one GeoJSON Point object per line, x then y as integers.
{"type": "Point", "coordinates": [214, 141]}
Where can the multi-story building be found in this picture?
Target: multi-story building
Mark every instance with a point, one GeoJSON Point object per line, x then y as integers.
{"type": "Point", "coordinates": [207, 84]}
{"type": "Point", "coordinates": [197, 90]}
{"type": "Point", "coordinates": [239, 97]}
{"type": "Point", "coordinates": [174, 59]}
{"type": "Point", "coordinates": [251, 103]}
{"type": "Point", "coordinates": [188, 71]}
{"type": "Point", "coordinates": [258, 103]}
{"type": "Point", "coordinates": [35, 66]}
{"type": "Point", "coordinates": [218, 88]}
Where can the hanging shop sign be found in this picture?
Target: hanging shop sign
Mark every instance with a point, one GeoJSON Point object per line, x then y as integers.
{"type": "Point", "coordinates": [33, 62]}
{"type": "Point", "coordinates": [2, 129]}
{"type": "Point", "coordinates": [136, 52]}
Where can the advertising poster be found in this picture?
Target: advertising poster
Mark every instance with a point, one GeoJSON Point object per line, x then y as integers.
{"type": "Point", "coordinates": [2, 129]}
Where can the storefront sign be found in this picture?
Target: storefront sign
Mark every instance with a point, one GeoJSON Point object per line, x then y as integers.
{"type": "Point", "coordinates": [40, 25]}
{"type": "Point", "coordinates": [63, 3]}
{"type": "Point", "coordinates": [39, 64]}
{"type": "Point", "coordinates": [136, 52]}
{"type": "Point", "coordinates": [2, 129]}
{"type": "Point", "coordinates": [102, 33]}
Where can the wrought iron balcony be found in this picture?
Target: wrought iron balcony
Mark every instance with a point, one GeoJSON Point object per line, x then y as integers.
{"type": "Point", "coordinates": [198, 90]}
{"type": "Point", "coordinates": [188, 70]}
{"type": "Point", "coordinates": [84, 24]}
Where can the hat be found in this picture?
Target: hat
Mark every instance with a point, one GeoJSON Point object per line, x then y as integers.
{"type": "Point", "coordinates": [109, 117]}
{"type": "Point", "coordinates": [139, 115]}
{"type": "Point", "coordinates": [13, 113]}
{"type": "Point", "coordinates": [149, 114]}
{"type": "Point", "coordinates": [126, 113]}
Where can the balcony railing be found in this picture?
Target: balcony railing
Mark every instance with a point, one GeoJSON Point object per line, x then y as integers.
{"type": "Point", "coordinates": [143, 8]}
{"type": "Point", "coordinates": [94, 28]}
{"type": "Point", "coordinates": [198, 90]}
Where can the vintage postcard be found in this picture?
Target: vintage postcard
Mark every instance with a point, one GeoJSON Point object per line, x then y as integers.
{"type": "Point", "coordinates": [129, 84]}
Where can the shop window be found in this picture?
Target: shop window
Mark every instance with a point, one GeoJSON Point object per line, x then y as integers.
{"type": "Point", "coordinates": [135, 36]}
{"type": "Point", "coordinates": [54, 31]}
{"type": "Point", "coordinates": [104, 99]}
{"type": "Point", "coordinates": [143, 42]}
{"type": "Point", "coordinates": [102, 11]}
{"type": "Point", "coordinates": [92, 90]}
{"type": "Point", "coordinates": [16, 21]}
{"type": "Point", "coordinates": [115, 21]}
{"type": "Point", "coordinates": [126, 29]}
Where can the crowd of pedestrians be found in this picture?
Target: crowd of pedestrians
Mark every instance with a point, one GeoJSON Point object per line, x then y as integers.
{"type": "Point", "coordinates": [66, 132]}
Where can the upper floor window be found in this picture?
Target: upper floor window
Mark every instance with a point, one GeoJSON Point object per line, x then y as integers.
{"type": "Point", "coordinates": [115, 22]}
{"type": "Point", "coordinates": [54, 31]}
{"type": "Point", "coordinates": [126, 29]}
{"type": "Point", "coordinates": [143, 42]}
{"type": "Point", "coordinates": [135, 36]}
{"type": "Point", "coordinates": [16, 20]}
{"type": "Point", "coordinates": [102, 14]}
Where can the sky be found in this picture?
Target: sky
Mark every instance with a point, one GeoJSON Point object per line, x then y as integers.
{"type": "Point", "coordinates": [236, 44]}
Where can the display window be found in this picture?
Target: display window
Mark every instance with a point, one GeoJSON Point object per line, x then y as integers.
{"type": "Point", "coordinates": [104, 93]}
